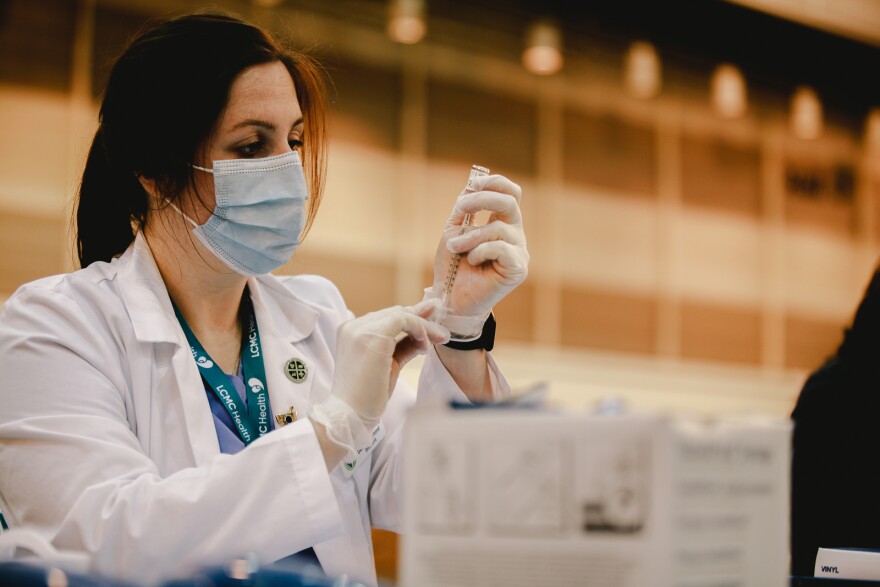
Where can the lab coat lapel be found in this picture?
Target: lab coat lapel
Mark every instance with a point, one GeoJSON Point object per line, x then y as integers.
{"type": "Point", "coordinates": [196, 409]}
{"type": "Point", "coordinates": [284, 322]}
{"type": "Point", "coordinates": [153, 320]}
{"type": "Point", "coordinates": [288, 326]}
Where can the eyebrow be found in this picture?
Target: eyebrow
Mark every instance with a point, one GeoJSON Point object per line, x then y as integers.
{"type": "Point", "coordinates": [264, 124]}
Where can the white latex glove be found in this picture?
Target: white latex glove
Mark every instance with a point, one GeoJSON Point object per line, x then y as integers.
{"type": "Point", "coordinates": [370, 352]}
{"type": "Point", "coordinates": [494, 258]}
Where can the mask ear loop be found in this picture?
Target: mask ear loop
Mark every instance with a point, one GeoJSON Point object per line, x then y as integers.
{"type": "Point", "coordinates": [179, 211]}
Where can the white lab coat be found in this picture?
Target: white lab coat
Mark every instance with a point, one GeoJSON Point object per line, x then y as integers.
{"type": "Point", "coordinates": [108, 446]}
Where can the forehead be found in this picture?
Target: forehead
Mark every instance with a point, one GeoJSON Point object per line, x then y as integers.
{"type": "Point", "coordinates": [262, 92]}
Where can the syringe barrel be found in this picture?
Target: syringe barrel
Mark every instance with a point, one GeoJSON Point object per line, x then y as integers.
{"type": "Point", "coordinates": [476, 171]}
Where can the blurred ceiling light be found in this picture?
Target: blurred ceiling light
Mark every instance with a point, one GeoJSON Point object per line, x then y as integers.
{"type": "Point", "coordinates": [642, 70]}
{"type": "Point", "coordinates": [728, 91]}
{"type": "Point", "coordinates": [872, 131]}
{"type": "Point", "coordinates": [806, 114]}
{"type": "Point", "coordinates": [266, 3]}
{"type": "Point", "coordinates": [543, 52]}
{"type": "Point", "coordinates": [406, 21]}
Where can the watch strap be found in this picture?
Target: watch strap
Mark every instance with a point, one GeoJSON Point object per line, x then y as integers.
{"type": "Point", "coordinates": [485, 341]}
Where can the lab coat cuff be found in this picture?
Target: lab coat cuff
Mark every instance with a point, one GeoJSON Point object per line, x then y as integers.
{"type": "Point", "coordinates": [344, 426]}
{"type": "Point", "coordinates": [436, 382]}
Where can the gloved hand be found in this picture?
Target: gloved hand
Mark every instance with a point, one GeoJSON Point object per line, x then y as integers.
{"type": "Point", "coordinates": [370, 352]}
{"type": "Point", "coordinates": [494, 259]}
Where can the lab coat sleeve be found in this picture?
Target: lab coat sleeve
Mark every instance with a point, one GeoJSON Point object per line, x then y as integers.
{"type": "Point", "coordinates": [435, 383]}
{"type": "Point", "coordinates": [71, 466]}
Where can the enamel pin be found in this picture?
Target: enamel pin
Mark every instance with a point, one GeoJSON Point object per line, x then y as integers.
{"type": "Point", "coordinates": [287, 417]}
{"type": "Point", "coordinates": [296, 370]}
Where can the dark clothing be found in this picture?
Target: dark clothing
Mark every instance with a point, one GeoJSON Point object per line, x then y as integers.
{"type": "Point", "coordinates": [835, 498]}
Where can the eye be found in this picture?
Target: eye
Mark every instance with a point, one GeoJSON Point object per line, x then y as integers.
{"type": "Point", "coordinates": [295, 144]}
{"type": "Point", "coordinates": [251, 149]}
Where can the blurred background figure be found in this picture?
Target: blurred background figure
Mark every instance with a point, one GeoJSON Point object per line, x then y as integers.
{"type": "Point", "coordinates": [703, 176]}
{"type": "Point", "coordinates": [834, 487]}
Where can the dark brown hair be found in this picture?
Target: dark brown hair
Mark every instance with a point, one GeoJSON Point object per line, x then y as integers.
{"type": "Point", "coordinates": [163, 100]}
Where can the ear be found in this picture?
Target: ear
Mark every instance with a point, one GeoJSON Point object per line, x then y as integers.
{"type": "Point", "coordinates": [152, 190]}
{"type": "Point", "coordinates": [149, 186]}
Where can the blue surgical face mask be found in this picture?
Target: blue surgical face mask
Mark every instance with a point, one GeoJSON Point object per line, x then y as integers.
{"type": "Point", "coordinates": [259, 214]}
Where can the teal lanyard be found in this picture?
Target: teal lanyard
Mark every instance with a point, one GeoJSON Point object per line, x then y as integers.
{"type": "Point", "coordinates": [249, 423]}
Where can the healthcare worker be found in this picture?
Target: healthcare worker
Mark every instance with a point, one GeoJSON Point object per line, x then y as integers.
{"type": "Point", "coordinates": [173, 403]}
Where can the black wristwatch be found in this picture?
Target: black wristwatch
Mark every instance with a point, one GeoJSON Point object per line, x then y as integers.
{"type": "Point", "coordinates": [485, 341]}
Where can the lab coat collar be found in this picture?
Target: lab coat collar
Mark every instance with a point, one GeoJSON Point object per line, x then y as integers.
{"type": "Point", "coordinates": [146, 298]}
{"type": "Point", "coordinates": [152, 314]}
{"type": "Point", "coordinates": [293, 318]}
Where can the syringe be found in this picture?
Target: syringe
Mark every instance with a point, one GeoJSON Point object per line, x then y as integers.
{"type": "Point", "coordinates": [476, 171]}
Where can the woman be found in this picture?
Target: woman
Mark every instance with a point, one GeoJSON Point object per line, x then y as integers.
{"type": "Point", "coordinates": [141, 392]}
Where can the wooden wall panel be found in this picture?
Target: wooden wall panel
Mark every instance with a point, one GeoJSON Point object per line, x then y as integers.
{"type": "Point", "coordinates": [820, 193]}
{"type": "Point", "coordinates": [471, 126]}
{"type": "Point", "coordinates": [719, 333]}
{"type": "Point", "coordinates": [365, 285]}
{"type": "Point", "coordinates": [515, 315]}
{"type": "Point", "coordinates": [874, 222]}
{"type": "Point", "coordinates": [36, 42]}
{"type": "Point", "coordinates": [826, 215]}
{"type": "Point", "coordinates": [608, 320]}
{"type": "Point", "coordinates": [30, 247]}
{"type": "Point", "coordinates": [722, 176]}
{"type": "Point", "coordinates": [366, 104]}
{"type": "Point", "coordinates": [809, 342]}
{"type": "Point", "coordinates": [607, 152]}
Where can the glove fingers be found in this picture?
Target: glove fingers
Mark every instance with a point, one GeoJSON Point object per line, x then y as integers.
{"type": "Point", "coordinates": [371, 349]}
{"type": "Point", "coordinates": [408, 349]}
{"type": "Point", "coordinates": [427, 308]}
{"type": "Point", "coordinates": [512, 261]}
{"type": "Point", "coordinates": [494, 231]}
{"type": "Point", "coordinates": [419, 328]}
{"type": "Point", "coordinates": [417, 333]}
{"type": "Point", "coordinates": [497, 183]}
{"type": "Point", "coordinates": [503, 206]}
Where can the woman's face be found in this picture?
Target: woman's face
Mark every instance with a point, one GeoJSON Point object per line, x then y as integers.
{"type": "Point", "coordinates": [262, 119]}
